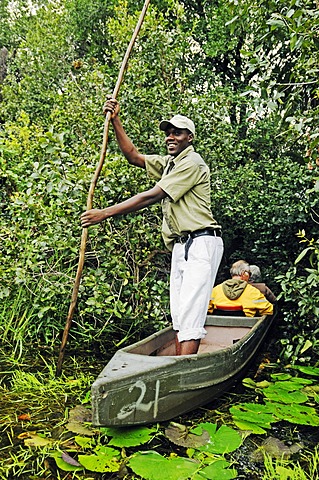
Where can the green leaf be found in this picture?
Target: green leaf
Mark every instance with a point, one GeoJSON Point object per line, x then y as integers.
{"type": "Point", "coordinates": [223, 440]}
{"type": "Point", "coordinates": [153, 466]}
{"type": "Point", "coordinates": [35, 440]}
{"type": "Point", "coordinates": [129, 437]}
{"type": "Point", "coordinates": [293, 41]}
{"type": "Point", "coordinates": [285, 396]}
{"type": "Point", "coordinates": [183, 436]}
{"type": "Point", "coordinates": [262, 415]}
{"type": "Point", "coordinates": [216, 470]}
{"type": "Point", "coordinates": [106, 460]}
{"type": "Point", "coordinates": [234, 19]}
{"type": "Point", "coordinates": [64, 465]}
{"type": "Point", "coordinates": [275, 22]}
{"type": "Point", "coordinates": [300, 414]}
{"type": "Point", "coordinates": [302, 254]}
{"type": "Point", "coordinates": [248, 382]}
{"type": "Point", "coordinates": [84, 442]}
{"type": "Point", "coordinates": [250, 427]}
{"type": "Point", "coordinates": [263, 384]}
{"type": "Point", "coordinates": [307, 370]}
{"type": "Point", "coordinates": [280, 376]}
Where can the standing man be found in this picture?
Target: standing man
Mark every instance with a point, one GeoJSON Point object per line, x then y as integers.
{"type": "Point", "coordinates": [189, 229]}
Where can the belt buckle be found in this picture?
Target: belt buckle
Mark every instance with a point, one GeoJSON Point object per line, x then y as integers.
{"type": "Point", "coordinates": [182, 239]}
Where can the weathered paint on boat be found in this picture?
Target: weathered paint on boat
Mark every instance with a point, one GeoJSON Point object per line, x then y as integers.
{"type": "Point", "coordinates": [146, 383]}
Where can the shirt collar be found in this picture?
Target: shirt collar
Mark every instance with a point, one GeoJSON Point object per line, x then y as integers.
{"type": "Point", "coordinates": [183, 154]}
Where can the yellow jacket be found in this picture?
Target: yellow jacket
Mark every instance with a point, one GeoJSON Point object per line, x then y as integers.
{"type": "Point", "coordinates": [235, 292]}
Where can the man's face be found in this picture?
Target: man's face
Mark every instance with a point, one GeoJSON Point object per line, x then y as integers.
{"type": "Point", "coordinates": [177, 139]}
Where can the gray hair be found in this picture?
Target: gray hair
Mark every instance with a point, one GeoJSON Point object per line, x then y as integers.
{"type": "Point", "coordinates": [239, 267]}
{"type": "Point", "coordinates": [255, 275]}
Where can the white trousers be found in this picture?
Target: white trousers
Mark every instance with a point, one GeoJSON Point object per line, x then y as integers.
{"type": "Point", "coordinates": [191, 284]}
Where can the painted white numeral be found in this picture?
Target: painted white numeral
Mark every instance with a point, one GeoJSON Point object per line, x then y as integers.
{"type": "Point", "coordinates": [127, 410]}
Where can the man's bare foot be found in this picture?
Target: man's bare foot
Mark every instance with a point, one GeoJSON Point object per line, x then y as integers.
{"type": "Point", "coordinates": [189, 347]}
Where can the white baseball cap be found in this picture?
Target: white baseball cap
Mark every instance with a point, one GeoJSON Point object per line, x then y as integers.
{"type": "Point", "coordinates": [178, 121]}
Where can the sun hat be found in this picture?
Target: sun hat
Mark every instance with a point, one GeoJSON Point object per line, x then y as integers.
{"type": "Point", "coordinates": [178, 121]}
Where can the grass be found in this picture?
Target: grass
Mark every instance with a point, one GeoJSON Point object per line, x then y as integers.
{"type": "Point", "coordinates": [307, 468]}
{"type": "Point", "coordinates": [32, 389]}
{"type": "Point", "coordinates": [14, 321]}
{"type": "Point", "coordinates": [20, 323]}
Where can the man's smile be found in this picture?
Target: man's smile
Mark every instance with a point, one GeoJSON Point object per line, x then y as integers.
{"type": "Point", "coordinates": [177, 140]}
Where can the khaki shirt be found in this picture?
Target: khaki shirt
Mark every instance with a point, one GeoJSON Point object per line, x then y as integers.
{"type": "Point", "coordinates": [186, 180]}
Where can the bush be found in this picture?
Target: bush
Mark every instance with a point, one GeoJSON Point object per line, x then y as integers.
{"type": "Point", "coordinates": [301, 305]}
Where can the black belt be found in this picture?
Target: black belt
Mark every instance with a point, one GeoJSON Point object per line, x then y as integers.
{"type": "Point", "coordinates": [188, 239]}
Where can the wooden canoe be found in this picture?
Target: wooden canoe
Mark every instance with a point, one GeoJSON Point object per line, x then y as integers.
{"type": "Point", "coordinates": [147, 383]}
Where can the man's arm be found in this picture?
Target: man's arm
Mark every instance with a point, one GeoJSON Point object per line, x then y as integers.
{"type": "Point", "coordinates": [270, 296]}
{"type": "Point", "coordinates": [128, 149]}
{"type": "Point", "coordinates": [255, 303]}
{"type": "Point", "coordinates": [139, 201]}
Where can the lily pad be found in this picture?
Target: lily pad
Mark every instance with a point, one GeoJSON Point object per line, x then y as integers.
{"type": "Point", "coordinates": [223, 440]}
{"type": "Point", "coordinates": [106, 459]}
{"type": "Point", "coordinates": [217, 470]}
{"type": "Point", "coordinates": [32, 439]}
{"type": "Point", "coordinates": [84, 442]}
{"type": "Point", "coordinates": [296, 384]}
{"type": "Point", "coordinates": [67, 466]}
{"type": "Point", "coordinates": [274, 448]}
{"type": "Point", "coordinates": [249, 427]}
{"type": "Point", "coordinates": [300, 414]}
{"type": "Point", "coordinates": [129, 437]}
{"type": "Point", "coordinates": [80, 414]}
{"type": "Point", "coordinates": [153, 466]}
{"type": "Point", "coordinates": [181, 435]}
{"type": "Point", "coordinates": [77, 427]}
{"type": "Point", "coordinates": [77, 417]}
{"type": "Point", "coordinates": [262, 415]}
{"type": "Point", "coordinates": [278, 393]}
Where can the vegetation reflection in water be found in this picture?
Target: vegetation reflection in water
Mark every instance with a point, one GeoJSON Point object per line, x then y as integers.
{"type": "Point", "coordinates": [46, 431]}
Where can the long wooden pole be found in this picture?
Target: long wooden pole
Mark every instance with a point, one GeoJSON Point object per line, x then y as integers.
{"type": "Point", "coordinates": [91, 192]}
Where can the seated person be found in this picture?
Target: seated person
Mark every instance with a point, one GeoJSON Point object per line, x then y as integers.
{"type": "Point", "coordinates": [237, 292]}
{"type": "Point", "coordinates": [256, 281]}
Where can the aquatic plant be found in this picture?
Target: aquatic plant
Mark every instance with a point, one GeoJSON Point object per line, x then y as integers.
{"type": "Point", "coordinates": [305, 469]}
{"type": "Point", "coordinates": [286, 397]}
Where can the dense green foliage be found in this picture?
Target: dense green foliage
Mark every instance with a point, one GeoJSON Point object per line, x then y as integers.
{"type": "Point", "coordinates": [246, 72]}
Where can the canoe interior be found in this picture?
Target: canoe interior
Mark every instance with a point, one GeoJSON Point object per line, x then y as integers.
{"type": "Point", "coordinates": [222, 332]}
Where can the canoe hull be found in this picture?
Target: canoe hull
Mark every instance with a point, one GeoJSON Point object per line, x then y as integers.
{"type": "Point", "coordinates": [140, 385]}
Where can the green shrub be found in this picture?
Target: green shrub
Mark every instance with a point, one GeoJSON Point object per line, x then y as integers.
{"type": "Point", "coordinates": [301, 304]}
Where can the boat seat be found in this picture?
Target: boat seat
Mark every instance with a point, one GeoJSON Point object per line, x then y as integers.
{"type": "Point", "coordinates": [229, 310]}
